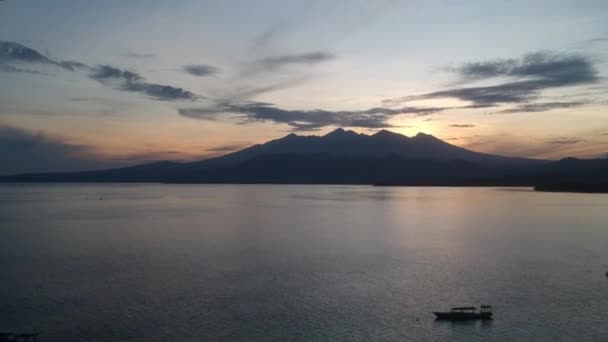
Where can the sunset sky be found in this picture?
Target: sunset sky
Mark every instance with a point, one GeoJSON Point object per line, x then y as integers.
{"type": "Point", "coordinates": [87, 84]}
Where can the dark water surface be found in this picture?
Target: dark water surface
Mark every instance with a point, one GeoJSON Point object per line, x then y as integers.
{"type": "Point", "coordinates": [300, 263]}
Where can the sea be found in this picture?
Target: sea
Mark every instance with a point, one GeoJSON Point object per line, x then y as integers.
{"type": "Point", "coordinates": [159, 262]}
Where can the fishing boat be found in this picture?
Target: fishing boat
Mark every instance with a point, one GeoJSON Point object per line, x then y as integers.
{"type": "Point", "coordinates": [466, 313]}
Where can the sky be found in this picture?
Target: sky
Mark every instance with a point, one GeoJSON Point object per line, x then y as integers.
{"type": "Point", "coordinates": [97, 84]}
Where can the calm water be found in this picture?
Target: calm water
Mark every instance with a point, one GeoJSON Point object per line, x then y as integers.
{"type": "Point", "coordinates": [300, 263]}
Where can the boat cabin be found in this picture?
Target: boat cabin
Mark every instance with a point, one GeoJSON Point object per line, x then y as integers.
{"type": "Point", "coordinates": [463, 309]}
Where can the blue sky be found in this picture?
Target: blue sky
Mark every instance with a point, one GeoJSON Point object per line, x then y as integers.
{"type": "Point", "coordinates": [184, 80]}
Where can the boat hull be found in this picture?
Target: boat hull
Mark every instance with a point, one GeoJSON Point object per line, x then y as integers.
{"type": "Point", "coordinates": [463, 316]}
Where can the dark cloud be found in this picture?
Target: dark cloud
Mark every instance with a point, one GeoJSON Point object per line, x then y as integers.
{"type": "Point", "coordinates": [462, 126]}
{"type": "Point", "coordinates": [12, 52]}
{"type": "Point", "coordinates": [306, 120]}
{"type": "Point", "coordinates": [25, 151]}
{"type": "Point", "coordinates": [530, 75]}
{"type": "Point", "coordinates": [133, 82]}
{"type": "Point", "coordinates": [541, 107]}
{"type": "Point", "coordinates": [15, 52]}
{"type": "Point", "coordinates": [565, 141]}
{"type": "Point", "coordinates": [72, 65]}
{"type": "Point", "coordinates": [201, 70]}
{"type": "Point", "coordinates": [553, 68]}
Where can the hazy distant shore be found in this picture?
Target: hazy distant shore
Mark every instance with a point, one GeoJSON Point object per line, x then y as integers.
{"type": "Point", "coordinates": [580, 188]}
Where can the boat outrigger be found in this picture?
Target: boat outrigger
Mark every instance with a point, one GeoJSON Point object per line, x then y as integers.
{"type": "Point", "coordinates": [466, 313]}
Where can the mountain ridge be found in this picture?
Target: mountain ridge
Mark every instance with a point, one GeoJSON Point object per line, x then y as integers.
{"type": "Point", "coordinates": [347, 157]}
{"type": "Point", "coordinates": [381, 143]}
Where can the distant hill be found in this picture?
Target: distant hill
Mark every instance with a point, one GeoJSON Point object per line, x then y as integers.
{"type": "Point", "coordinates": [346, 157]}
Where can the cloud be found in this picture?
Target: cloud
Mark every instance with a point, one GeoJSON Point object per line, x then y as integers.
{"type": "Point", "coordinates": [201, 70]}
{"type": "Point", "coordinates": [598, 40]}
{"type": "Point", "coordinates": [15, 52]}
{"type": "Point", "coordinates": [227, 148]}
{"type": "Point", "coordinates": [565, 141]}
{"type": "Point", "coordinates": [72, 65]}
{"type": "Point", "coordinates": [239, 94]}
{"type": "Point", "coordinates": [462, 125]}
{"type": "Point", "coordinates": [315, 57]}
{"type": "Point", "coordinates": [132, 82]}
{"type": "Point", "coordinates": [554, 68]}
{"type": "Point", "coordinates": [26, 151]}
{"type": "Point", "coordinates": [275, 63]}
{"type": "Point", "coordinates": [12, 52]}
{"type": "Point", "coordinates": [268, 35]}
{"type": "Point", "coordinates": [305, 120]}
{"type": "Point", "coordinates": [100, 105]}
{"type": "Point", "coordinates": [139, 55]}
{"type": "Point", "coordinates": [10, 68]}
{"type": "Point", "coordinates": [149, 157]}
{"type": "Point", "coordinates": [529, 77]}
{"type": "Point", "coordinates": [541, 107]}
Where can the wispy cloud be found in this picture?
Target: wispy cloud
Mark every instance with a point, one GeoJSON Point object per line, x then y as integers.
{"type": "Point", "coordinates": [10, 68]}
{"type": "Point", "coordinates": [136, 55]}
{"type": "Point", "coordinates": [272, 63]}
{"type": "Point", "coordinates": [462, 126]}
{"type": "Point", "coordinates": [305, 120]}
{"type": "Point", "coordinates": [276, 63]}
{"type": "Point", "coordinates": [541, 107]}
{"type": "Point", "coordinates": [565, 141]}
{"type": "Point", "coordinates": [227, 148]}
{"type": "Point", "coordinates": [102, 106]}
{"type": "Point", "coordinates": [599, 40]}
